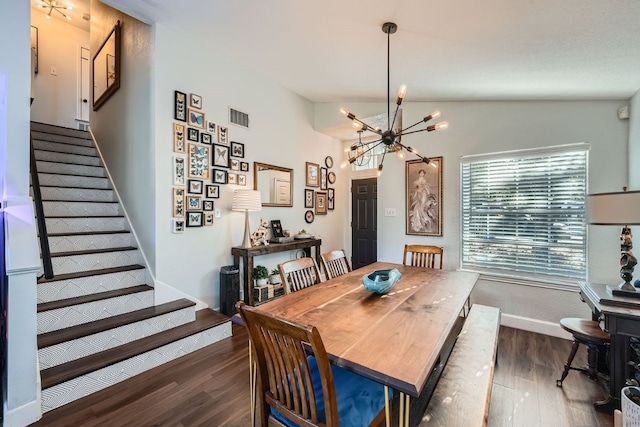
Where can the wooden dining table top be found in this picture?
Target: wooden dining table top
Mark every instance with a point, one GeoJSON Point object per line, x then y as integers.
{"type": "Point", "coordinates": [395, 338]}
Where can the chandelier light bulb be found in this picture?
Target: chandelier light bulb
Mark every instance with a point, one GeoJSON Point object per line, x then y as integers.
{"type": "Point", "coordinates": [344, 164]}
{"type": "Point", "coordinates": [442, 126]}
{"type": "Point", "coordinates": [400, 154]}
{"type": "Point", "coordinates": [380, 170]}
{"type": "Point", "coordinates": [401, 93]}
{"type": "Point", "coordinates": [433, 165]}
{"type": "Point", "coordinates": [412, 150]}
{"type": "Point", "coordinates": [356, 125]}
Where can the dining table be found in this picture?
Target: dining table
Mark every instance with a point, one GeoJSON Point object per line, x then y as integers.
{"type": "Point", "coordinates": [400, 338]}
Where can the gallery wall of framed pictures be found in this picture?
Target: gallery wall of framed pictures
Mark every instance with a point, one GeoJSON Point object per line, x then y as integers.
{"type": "Point", "coordinates": [204, 158]}
{"type": "Point", "coordinates": [320, 199]}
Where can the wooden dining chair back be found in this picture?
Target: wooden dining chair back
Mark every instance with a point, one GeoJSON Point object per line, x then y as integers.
{"type": "Point", "coordinates": [335, 263]}
{"type": "Point", "coordinates": [423, 256]}
{"type": "Point", "coordinates": [296, 388]}
{"type": "Point", "coordinates": [299, 274]}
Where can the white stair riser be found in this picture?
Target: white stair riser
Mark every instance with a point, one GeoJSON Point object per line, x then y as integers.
{"type": "Point", "coordinates": [81, 286]}
{"type": "Point", "coordinates": [80, 142]}
{"type": "Point", "coordinates": [54, 180]}
{"type": "Point", "coordinates": [64, 168]}
{"type": "Point", "coordinates": [80, 224]}
{"type": "Point", "coordinates": [77, 194]}
{"type": "Point", "coordinates": [88, 242]}
{"type": "Point", "coordinates": [81, 209]}
{"type": "Point", "coordinates": [86, 262]}
{"type": "Point", "coordinates": [61, 147]}
{"type": "Point", "coordinates": [69, 391]}
{"type": "Point", "coordinates": [75, 349]}
{"type": "Point", "coordinates": [51, 156]}
{"type": "Point", "coordinates": [53, 320]}
{"type": "Point", "coordinates": [59, 131]}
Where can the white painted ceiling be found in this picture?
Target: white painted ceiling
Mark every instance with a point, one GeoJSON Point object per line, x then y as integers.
{"type": "Point", "coordinates": [79, 12]}
{"type": "Point", "coordinates": [335, 50]}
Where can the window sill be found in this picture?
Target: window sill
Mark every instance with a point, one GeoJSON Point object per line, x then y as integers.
{"type": "Point", "coordinates": [560, 284]}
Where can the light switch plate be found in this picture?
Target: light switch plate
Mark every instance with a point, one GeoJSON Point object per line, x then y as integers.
{"type": "Point", "coordinates": [218, 213]}
{"type": "Point", "coordinates": [389, 211]}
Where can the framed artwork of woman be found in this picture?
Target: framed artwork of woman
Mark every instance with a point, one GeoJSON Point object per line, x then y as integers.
{"type": "Point", "coordinates": [423, 183]}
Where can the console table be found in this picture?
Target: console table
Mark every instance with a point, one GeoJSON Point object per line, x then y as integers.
{"type": "Point", "coordinates": [622, 320]}
{"type": "Point", "coordinates": [247, 255]}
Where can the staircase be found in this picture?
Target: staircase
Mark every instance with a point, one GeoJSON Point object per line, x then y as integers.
{"type": "Point", "coordinates": [97, 322]}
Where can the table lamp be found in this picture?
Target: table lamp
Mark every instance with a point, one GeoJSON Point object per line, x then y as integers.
{"type": "Point", "coordinates": [246, 201]}
{"type": "Point", "coordinates": [618, 209]}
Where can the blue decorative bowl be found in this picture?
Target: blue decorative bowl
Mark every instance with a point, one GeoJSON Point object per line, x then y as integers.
{"type": "Point", "coordinates": [381, 281]}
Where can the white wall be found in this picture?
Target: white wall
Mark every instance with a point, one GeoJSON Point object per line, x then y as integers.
{"type": "Point", "coordinates": [123, 124]}
{"type": "Point", "coordinates": [485, 127]}
{"type": "Point", "coordinates": [21, 388]}
{"type": "Point", "coordinates": [280, 134]}
{"type": "Point", "coordinates": [56, 97]}
{"type": "Point", "coordinates": [634, 142]}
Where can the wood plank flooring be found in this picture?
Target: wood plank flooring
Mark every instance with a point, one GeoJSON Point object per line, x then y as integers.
{"type": "Point", "coordinates": [210, 388]}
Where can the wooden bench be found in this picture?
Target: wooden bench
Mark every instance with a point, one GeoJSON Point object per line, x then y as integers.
{"type": "Point", "coordinates": [463, 392]}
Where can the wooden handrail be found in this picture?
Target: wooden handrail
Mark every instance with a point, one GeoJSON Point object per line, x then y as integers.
{"type": "Point", "coordinates": [45, 252]}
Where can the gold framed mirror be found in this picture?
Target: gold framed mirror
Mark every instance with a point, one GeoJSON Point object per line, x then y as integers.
{"type": "Point", "coordinates": [106, 68]}
{"type": "Point", "coordinates": [275, 184]}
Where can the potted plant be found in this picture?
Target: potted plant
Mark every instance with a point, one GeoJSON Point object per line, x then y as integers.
{"type": "Point", "coordinates": [275, 276]}
{"type": "Point", "coordinates": [261, 274]}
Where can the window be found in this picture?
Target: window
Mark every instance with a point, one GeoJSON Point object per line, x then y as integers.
{"type": "Point", "coordinates": [523, 213]}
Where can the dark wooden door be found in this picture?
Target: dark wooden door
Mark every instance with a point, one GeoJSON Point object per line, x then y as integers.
{"type": "Point", "coordinates": [364, 222]}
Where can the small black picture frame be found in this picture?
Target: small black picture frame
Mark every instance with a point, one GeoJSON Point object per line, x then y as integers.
{"type": "Point", "coordinates": [331, 199]}
{"type": "Point", "coordinates": [207, 205]}
{"type": "Point", "coordinates": [308, 198]}
{"type": "Point", "coordinates": [193, 135]}
{"type": "Point", "coordinates": [213, 192]}
{"type": "Point", "coordinates": [276, 228]}
{"type": "Point", "coordinates": [220, 176]}
{"type": "Point", "coordinates": [195, 186]}
{"type": "Point", "coordinates": [205, 138]}
{"type": "Point", "coordinates": [180, 106]}
{"type": "Point", "coordinates": [194, 219]}
{"type": "Point", "coordinates": [244, 166]}
{"type": "Point", "coordinates": [237, 149]}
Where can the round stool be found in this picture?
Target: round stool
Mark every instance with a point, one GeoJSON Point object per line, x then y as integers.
{"type": "Point", "coordinates": [589, 333]}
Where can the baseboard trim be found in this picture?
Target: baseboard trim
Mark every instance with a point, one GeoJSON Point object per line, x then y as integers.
{"type": "Point", "coordinates": [23, 415]}
{"type": "Point", "coordinates": [534, 325]}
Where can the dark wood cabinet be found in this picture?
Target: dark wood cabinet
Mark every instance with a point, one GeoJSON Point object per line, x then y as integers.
{"type": "Point", "coordinates": [247, 255]}
{"type": "Point", "coordinates": [622, 320]}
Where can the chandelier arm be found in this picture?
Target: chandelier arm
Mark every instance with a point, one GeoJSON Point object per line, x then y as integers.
{"type": "Point", "coordinates": [371, 142]}
{"type": "Point", "coordinates": [394, 117]}
{"type": "Point", "coordinates": [413, 131]}
{"type": "Point", "coordinates": [389, 81]}
{"type": "Point", "coordinates": [412, 126]}
{"type": "Point", "coordinates": [423, 158]}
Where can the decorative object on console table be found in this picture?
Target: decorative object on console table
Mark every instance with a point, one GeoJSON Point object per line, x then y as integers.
{"type": "Point", "coordinates": [261, 274]}
{"type": "Point", "coordinates": [259, 237]}
{"type": "Point", "coordinates": [621, 209]}
{"type": "Point", "coordinates": [246, 201]}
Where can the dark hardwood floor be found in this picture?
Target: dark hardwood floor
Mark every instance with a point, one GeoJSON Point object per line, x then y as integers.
{"type": "Point", "coordinates": [210, 388]}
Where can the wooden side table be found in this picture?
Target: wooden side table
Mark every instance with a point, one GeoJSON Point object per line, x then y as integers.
{"type": "Point", "coordinates": [622, 320]}
{"type": "Point", "coordinates": [247, 255]}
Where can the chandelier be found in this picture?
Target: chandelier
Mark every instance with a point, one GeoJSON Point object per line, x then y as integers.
{"type": "Point", "coordinates": [360, 152]}
{"type": "Point", "coordinates": [53, 5]}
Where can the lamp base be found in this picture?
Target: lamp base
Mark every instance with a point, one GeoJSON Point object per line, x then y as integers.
{"type": "Point", "coordinates": [246, 243]}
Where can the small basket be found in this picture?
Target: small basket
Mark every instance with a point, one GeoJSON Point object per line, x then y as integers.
{"type": "Point", "coordinates": [630, 403]}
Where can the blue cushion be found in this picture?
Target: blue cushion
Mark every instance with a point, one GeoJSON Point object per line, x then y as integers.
{"type": "Point", "coordinates": [359, 399]}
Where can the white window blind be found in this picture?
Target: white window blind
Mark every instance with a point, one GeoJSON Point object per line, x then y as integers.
{"type": "Point", "coordinates": [523, 213]}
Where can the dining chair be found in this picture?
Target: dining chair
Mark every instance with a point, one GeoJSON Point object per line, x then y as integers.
{"type": "Point", "coordinates": [296, 383]}
{"type": "Point", "coordinates": [589, 333]}
{"type": "Point", "coordinates": [423, 256]}
{"type": "Point", "coordinates": [299, 274]}
{"type": "Point", "coordinates": [335, 263]}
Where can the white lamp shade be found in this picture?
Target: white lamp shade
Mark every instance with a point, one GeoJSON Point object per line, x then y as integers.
{"type": "Point", "coordinates": [614, 208]}
{"type": "Point", "coordinates": [246, 200]}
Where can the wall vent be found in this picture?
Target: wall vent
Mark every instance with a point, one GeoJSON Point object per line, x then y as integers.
{"type": "Point", "coordinates": [238, 118]}
{"type": "Point", "coordinates": [83, 126]}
